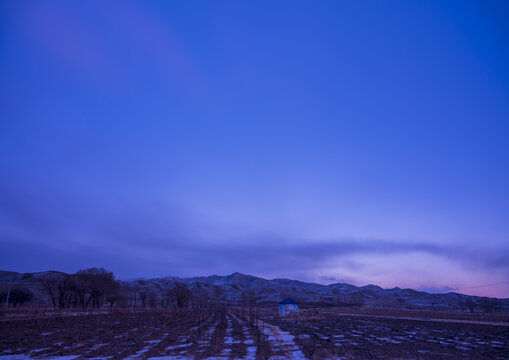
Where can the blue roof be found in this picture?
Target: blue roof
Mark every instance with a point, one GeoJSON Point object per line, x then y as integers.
{"type": "Point", "coordinates": [288, 301]}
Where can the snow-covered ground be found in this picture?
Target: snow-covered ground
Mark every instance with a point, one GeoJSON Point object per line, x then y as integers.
{"type": "Point", "coordinates": [281, 340]}
{"type": "Point", "coordinates": [230, 335]}
{"type": "Point", "coordinates": [249, 339]}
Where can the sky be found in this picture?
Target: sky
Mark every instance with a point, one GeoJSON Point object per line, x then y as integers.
{"type": "Point", "coordinates": [335, 141]}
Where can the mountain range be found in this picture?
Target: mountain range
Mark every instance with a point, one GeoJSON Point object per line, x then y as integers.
{"type": "Point", "coordinates": [248, 289]}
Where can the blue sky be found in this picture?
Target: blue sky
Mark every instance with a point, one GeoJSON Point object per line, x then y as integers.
{"type": "Point", "coordinates": [363, 142]}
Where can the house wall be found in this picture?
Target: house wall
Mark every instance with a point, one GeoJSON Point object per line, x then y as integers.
{"type": "Point", "coordinates": [287, 309]}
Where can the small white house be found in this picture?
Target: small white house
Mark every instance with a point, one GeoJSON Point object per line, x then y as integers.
{"type": "Point", "coordinates": [288, 307]}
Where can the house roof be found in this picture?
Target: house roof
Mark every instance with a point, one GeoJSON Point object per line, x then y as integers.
{"type": "Point", "coordinates": [288, 301]}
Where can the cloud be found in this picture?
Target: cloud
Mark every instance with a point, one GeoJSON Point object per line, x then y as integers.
{"type": "Point", "coordinates": [50, 230]}
{"type": "Point", "coordinates": [437, 290]}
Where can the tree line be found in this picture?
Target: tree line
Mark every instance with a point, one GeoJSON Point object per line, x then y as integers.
{"type": "Point", "coordinates": [88, 288]}
{"type": "Point", "coordinates": [95, 288]}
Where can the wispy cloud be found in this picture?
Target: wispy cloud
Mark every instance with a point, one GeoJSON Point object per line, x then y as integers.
{"type": "Point", "coordinates": [169, 241]}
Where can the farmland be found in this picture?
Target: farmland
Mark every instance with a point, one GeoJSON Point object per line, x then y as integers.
{"type": "Point", "coordinates": [250, 333]}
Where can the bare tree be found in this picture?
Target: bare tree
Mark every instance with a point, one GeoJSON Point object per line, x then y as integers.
{"type": "Point", "coordinates": [152, 299]}
{"type": "Point", "coordinates": [144, 298]}
{"type": "Point", "coordinates": [488, 304]}
{"type": "Point", "coordinates": [248, 298]}
{"type": "Point", "coordinates": [64, 286]}
{"type": "Point", "coordinates": [170, 299]}
{"type": "Point", "coordinates": [181, 295]}
{"type": "Point", "coordinates": [50, 285]}
{"type": "Point", "coordinates": [94, 282]}
{"type": "Point", "coordinates": [200, 296]}
{"type": "Point", "coordinates": [218, 293]}
{"type": "Point", "coordinates": [16, 296]}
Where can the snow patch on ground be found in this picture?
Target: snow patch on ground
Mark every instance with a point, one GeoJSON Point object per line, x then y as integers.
{"type": "Point", "coordinates": [173, 347]}
{"type": "Point", "coordinates": [151, 344]}
{"type": "Point", "coordinates": [283, 340]}
{"type": "Point", "coordinates": [251, 350]}
{"type": "Point", "coordinates": [228, 339]}
{"type": "Point", "coordinates": [27, 357]}
{"type": "Point", "coordinates": [205, 341]}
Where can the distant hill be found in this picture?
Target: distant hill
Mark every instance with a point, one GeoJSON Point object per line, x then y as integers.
{"type": "Point", "coordinates": [248, 289]}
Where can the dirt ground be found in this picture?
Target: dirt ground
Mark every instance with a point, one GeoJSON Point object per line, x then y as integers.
{"type": "Point", "coordinates": [218, 333]}
{"type": "Point", "coordinates": [385, 335]}
{"type": "Point", "coordinates": [197, 333]}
